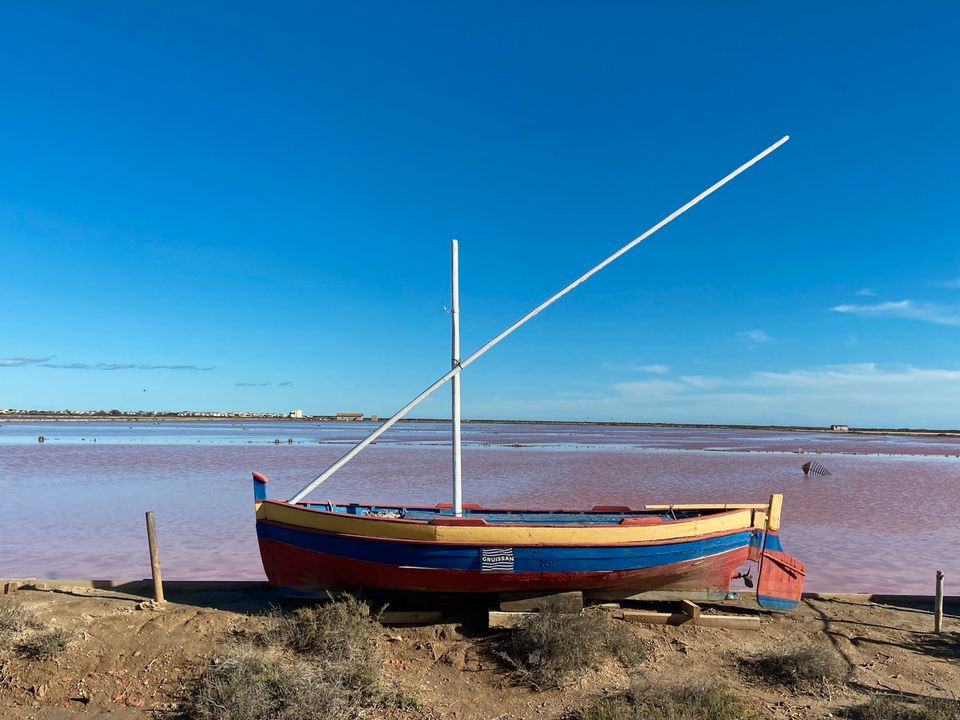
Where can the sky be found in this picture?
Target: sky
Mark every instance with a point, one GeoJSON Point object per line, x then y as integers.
{"type": "Point", "coordinates": [249, 206]}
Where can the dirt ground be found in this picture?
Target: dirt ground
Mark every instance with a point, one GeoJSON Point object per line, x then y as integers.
{"type": "Point", "coordinates": [129, 658]}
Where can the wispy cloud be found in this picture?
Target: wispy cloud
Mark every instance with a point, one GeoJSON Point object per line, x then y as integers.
{"type": "Point", "coordinates": [656, 369]}
{"type": "Point", "coordinates": [866, 292]}
{"type": "Point", "coordinates": [701, 382]}
{"type": "Point", "coordinates": [863, 394]}
{"type": "Point", "coordinates": [906, 309]}
{"type": "Point", "coordinates": [651, 389]}
{"type": "Point", "coordinates": [955, 283]}
{"type": "Point", "coordinates": [122, 366]}
{"type": "Point", "coordinates": [755, 336]}
{"type": "Point", "coordinates": [285, 383]}
{"type": "Point", "coordinates": [630, 366]}
{"type": "Point", "coordinates": [21, 361]}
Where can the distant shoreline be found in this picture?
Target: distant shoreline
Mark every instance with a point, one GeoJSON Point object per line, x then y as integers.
{"type": "Point", "coordinates": [44, 416]}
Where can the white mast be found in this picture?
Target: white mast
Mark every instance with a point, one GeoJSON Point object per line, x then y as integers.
{"type": "Point", "coordinates": [455, 380]}
{"type": "Point", "coordinates": [453, 372]}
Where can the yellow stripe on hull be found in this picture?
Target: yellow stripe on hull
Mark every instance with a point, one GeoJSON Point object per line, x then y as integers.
{"type": "Point", "coordinates": [506, 534]}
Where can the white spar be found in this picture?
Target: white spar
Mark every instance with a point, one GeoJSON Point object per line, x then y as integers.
{"type": "Point", "coordinates": [455, 379]}
{"type": "Point", "coordinates": [402, 412]}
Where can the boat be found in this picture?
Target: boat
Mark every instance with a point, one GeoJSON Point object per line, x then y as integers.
{"type": "Point", "coordinates": [311, 548]}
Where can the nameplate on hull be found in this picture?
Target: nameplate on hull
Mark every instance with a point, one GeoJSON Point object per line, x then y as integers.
{"type": "Point", "coordinates": [496, 560]}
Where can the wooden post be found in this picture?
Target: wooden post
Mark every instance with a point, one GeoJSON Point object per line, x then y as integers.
{"type": "Point", "coordinates": [938, 605]}
{"type": "Point", "coordinates": [154, 559]}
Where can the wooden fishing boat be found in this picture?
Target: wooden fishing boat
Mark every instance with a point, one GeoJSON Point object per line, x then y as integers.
{"type": "Point", "coordinates": [310, 548]}
{"type": "Point", "coordinates": [313, 547]}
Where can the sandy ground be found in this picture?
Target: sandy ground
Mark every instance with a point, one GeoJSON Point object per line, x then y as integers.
{"type": "Point", "coordinates": [131, 659]}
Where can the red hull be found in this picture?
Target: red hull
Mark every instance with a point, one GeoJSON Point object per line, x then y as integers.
{"type": "Point", "coordinates": [293, 567]}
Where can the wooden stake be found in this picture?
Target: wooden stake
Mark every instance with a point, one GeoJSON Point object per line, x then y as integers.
{"type": "Point", "coordinates": [938, 605]}
{"type": "Point", "coordinates": [154, 559]}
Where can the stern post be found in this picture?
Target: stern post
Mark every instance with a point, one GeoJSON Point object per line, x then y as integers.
{"type": "Point", "coordinates": [259, 487]}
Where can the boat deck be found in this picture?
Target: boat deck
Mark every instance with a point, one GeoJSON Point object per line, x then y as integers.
{"type": "Point", "coordinates": [599, 516]}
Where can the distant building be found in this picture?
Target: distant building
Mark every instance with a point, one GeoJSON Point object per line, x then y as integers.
{"type": "Point", "coordinates": [840, 428]}
{"type": "Point", "coordinates": [349, 416]}
{"type": "Point", "coordinates": [373, 418]}
{"type": "Point", "coordinates": [296, 414]}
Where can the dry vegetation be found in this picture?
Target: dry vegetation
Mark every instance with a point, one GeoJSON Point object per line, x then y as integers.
{"type": "Point", "coordinates": [44, 645]}
{"type": "Point", "coordinates": [550, 646]}
{"type": "Point", "coordinates": [14, 621]}
{"type": "Point", "coordinates": [314, 663]}
{"type": "Point", "coordinates": [669, 702]}
{"type": "Point", "coordinates": [129, 660]}
{"type": "Point", "coordinates": [884, 707]}
{"type": "Point", "coordinates": [23, 632]}
{"type": "Point", "coordinates": [249, 685]}
{"type": "Point", "coordinates": [803, 667]}
{"type": "Point", "coordinates": [341, 634]}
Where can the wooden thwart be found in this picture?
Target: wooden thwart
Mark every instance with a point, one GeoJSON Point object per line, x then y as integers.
{"type": "Point", "coordinates": [709, 506]}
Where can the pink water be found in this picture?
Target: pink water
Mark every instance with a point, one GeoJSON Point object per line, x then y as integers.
{"type": "Point", "coordinates": [73, 506]}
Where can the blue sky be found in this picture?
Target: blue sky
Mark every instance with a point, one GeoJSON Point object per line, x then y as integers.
{"type": "Point", "coordinates": [228, 206]}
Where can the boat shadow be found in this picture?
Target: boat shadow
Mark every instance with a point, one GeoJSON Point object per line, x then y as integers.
{"type": "Point", "coordinates": [252, 597]}
{"type": "Point", "coordinates": [234, 596]}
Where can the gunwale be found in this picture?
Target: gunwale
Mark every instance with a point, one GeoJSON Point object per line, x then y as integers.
{"type": "Point", "coordinates": [401, 529]}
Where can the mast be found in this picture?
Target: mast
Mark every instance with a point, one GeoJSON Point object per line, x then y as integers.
{"type": "Point", "coordinates": [455, 380]}
{"type": "Point", "coordinates": [455, 371]}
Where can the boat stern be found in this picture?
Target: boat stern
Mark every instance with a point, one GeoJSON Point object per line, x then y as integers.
{"type": "Point", "coordinates": [780, 577]}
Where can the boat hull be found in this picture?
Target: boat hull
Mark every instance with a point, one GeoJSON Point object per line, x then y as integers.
{"type": "Point", "coordinates": [312, 548]}
{"type": "Point", "coordinates": [307, 561]}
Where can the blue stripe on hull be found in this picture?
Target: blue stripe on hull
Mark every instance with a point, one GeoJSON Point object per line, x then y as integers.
{"type": "Point", "coordinates": [526, 558]}
{"type": "Point", "coordinates": [773, 542]}
{"type": "Point", "coordinates": [769, 602]}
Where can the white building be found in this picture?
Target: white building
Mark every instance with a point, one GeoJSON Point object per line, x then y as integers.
{"type": "Point", "coordinates": [296, 414]}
